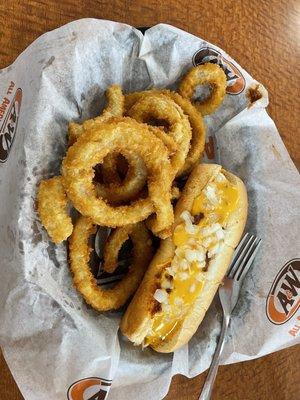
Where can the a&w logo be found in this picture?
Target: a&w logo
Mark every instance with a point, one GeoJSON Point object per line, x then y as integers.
{"type": "Point", "coordinates": [284, 297]}
{"type": "Point", "coordinates": [89, 389]}
{"type": "Point", "coordinates": [9, 115]}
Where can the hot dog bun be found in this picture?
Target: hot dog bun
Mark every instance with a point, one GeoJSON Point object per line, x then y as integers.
{"type": "Point", "coordinates": [188, 267]}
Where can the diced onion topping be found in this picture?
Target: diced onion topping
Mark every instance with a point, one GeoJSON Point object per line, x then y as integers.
{"type": "Point", "coordinates": [183, 276]}
{"type": "Point", "coordinates": [161, 296]}
{"type": "Point", "coordinates": [187, 217]}
{"type": "Point", "coordinates": [166, 308]}
{"type": "Point", "coordinates": [215, 250]}
{"type": "Point", "coordinates": [191, 255]}
{"type": "Point", "coordinates": [192, 288]}
{"type": "Point", "coordinates": [166, 284]}
{"type": "Point", "coordinates": [220, 177]}
{"type": "Point", "coordinates": [183, 264]}
{"type": "Point", "coordinates": [220, 234]}
{"type": "Point", "coordinates": [199, 277]}
{"type": "Point", "coordinates": [178, 301]}
{"type": "Point", "coordinates": [172, 270]}
{"type": "Point", "coordinates": [198, 243]}
{"type": "Point", "coordinates": [207, 241]}
{"type": "Point", "coordinates": [210, 193]}
{"type": "Point", "coordinates": [188, 220]}
{"type": "Point", "coordinates": [209, 230]}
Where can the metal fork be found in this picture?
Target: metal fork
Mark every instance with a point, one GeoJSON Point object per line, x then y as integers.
{"type": "Point", "coordinates": [229, 293]}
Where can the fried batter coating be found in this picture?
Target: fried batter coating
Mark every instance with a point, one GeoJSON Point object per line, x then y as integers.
{"type": "Point", "coordinates": [204, 74]}
{"type": "Point", "coordinates": [195, 119]}
{"type": "Point", "coordinates": [129, 189]}
{"type": "Point", "coordinates": [113, 246]}
{"type": "Point", "coordinates": [90, 150]}
{"type": "Point", "coordinates": [84, 281]}
{"type": "Point", "coordinates": [160, 107]}
{"type": "Point", "coordinates": [114, 108]}
{"type": "Point", "coordinates": [52, 209]}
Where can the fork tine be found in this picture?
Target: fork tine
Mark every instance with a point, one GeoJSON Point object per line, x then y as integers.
{"type": "Point", "coordinates": [237, 251]}
{"type": "Point", "coordinates": [100, 238]}
{"type": "Point", "coordinates": [248, 261]}
{"type": "Point", "coordinates": [239, 254]}
{"type": "Point", "coordinates": [243, 257]}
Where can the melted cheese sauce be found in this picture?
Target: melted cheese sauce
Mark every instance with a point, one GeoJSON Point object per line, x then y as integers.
{"type": "Point", "coordinates": [195, 245]}
{"type": "Point", "coordinates": [228, 199]}
{"type": "Point", "coordinates": [180, 300]}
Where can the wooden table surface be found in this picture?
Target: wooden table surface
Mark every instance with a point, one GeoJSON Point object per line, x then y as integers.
{"type": "Point", "coordinates": [263, 36]}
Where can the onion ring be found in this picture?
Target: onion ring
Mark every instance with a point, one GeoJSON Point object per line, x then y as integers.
{"type": "Point", "coordinates": [52, 209]}
{"type": "Point", "coordinates": [198, 130]}
{"type": "Point", "coordinates": [74, 132]}
{"type": "Point", "coordinates": [161, 107]}
{"type": "Point", "coordinates": [84, 281]}
{"type": "Point", "coordinates": [120, 135]}
{"type": "Point", "coordinates": [210, 74]}
{"type": "Point", "coordinates": [114, 108]}
{"type": "Point", "coordinates": [130, 187]}
{"type": "Point", "coordinates": [109, 170]}
{"type": "Point", "coordinates": [195, 119]}
{"type": "Point", "coordinates": [116, 191]}
{"type": "Point", "coordinates": [113, 246]}
{"type": "Point", "coordinates": [167, 140]}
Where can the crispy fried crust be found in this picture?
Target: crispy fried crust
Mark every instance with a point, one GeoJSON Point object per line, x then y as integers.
{"type": "Point", "coordinates": [210, 74]}
{"type": "Point", "coordinates": [84, 281]}
{"type": "Point", "coordinates": [160, 107]}
{"type": "Point", "coordinates": [90, 150]}
{"type": "Point", "coordinates": [114, 108]}
{"type": "Point", "coordinates": [115, 191]}
{"type": "Point", "coordinates": [113, 246]}
{"type": "Point", "coordinates": [52, 209]}
{"type": "Point", "coordinates": [198, 131]}
{"type": "Point", "coordinates": [137, 319]}
{"type": "Point", "coordinates": [194, 117]}
{"type": "Point", "coordinates": [135, 180]}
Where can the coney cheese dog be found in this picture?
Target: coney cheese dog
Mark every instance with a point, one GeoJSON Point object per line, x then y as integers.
{"type": "Point", "coordinates": [188, 267]}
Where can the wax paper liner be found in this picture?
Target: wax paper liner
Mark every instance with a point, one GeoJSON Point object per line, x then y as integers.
{"type": "Point", "coordinates": [56, 346]}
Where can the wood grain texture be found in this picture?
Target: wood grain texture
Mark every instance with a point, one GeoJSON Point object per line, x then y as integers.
{"type": "Point", "coordinates": [274, 377]}
{"type": "Point", "coordinates": [263, 37]}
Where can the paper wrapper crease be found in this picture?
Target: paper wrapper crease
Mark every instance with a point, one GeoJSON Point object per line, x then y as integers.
{"type": "Point", "coordinates": [50, 338]}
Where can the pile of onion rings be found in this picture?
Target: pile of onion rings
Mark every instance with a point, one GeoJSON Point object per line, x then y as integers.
{"type": "Point", "coordinates": [91, 149]}
{"type": "Point", "coordinates": [123, 170]}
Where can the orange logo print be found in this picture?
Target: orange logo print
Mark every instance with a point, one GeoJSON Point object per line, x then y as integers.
{"type": "Point", "coordinates": [9, 116]}
{"type": "Point", "coordinates": [89, 389]}
{"type": "Point", "coordinates": [284, 297]}
{"type": "Point", "coordinates": [235, 80]}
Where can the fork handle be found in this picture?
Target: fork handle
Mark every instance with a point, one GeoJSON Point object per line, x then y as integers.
{"type": "Point", "coordinates": [212, 373]}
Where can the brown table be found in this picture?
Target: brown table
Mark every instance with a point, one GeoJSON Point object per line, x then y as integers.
{"type": "Point", "coordinates": [263, 36]}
